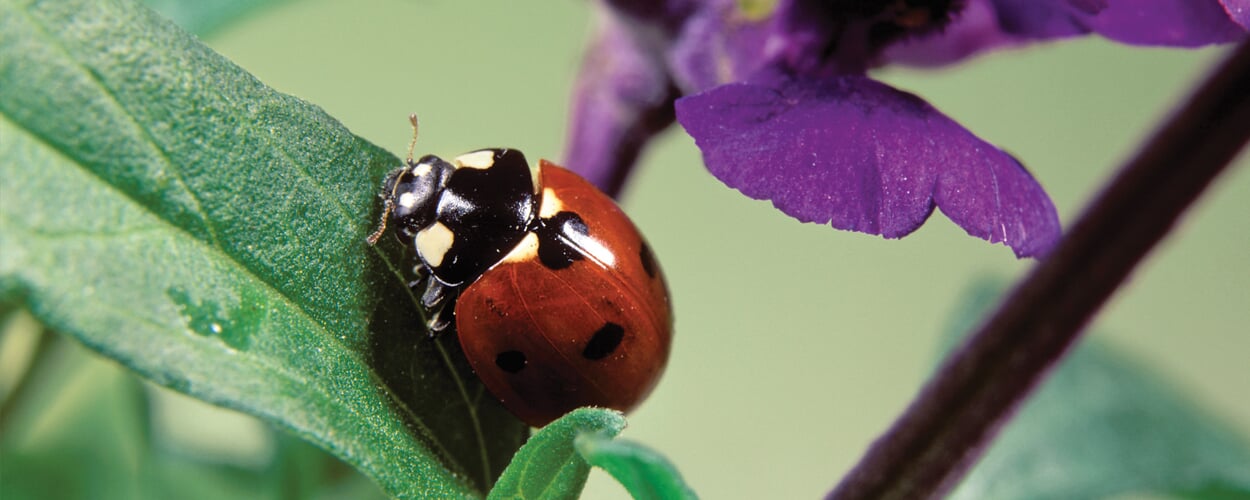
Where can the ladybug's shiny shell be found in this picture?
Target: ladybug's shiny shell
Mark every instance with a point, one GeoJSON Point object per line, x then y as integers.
{"type": "Point", "coordinates": [557, 299]}
{"type": "Point", "coordinates": [577, 314]}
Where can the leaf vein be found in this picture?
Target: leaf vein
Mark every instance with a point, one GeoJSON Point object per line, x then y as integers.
{"type": "Point", "coordinates": [316, 327]}
{"type": "Point", "coordinates": [145, 134]}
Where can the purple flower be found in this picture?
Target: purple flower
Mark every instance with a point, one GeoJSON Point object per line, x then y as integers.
{"type": "Point", "coordinates": [1181, 23]}
{"type": "Point", "coordinates": [778, 99]}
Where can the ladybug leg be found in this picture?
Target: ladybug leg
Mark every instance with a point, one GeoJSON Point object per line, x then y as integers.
{"type": "Point", "coordinates": [437, 297]}
{"type": "Point", "coordinates": [440, 300]}
{"type": "Point", "coordinates": [422, 273]}
{"type": "Point", "coordinates": [441, 319]}
{"type": "Point", "coordinates": [435, 293]}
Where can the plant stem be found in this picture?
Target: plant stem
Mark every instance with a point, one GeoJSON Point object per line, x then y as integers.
{"type": "Point", "coordinates": [945, 429]}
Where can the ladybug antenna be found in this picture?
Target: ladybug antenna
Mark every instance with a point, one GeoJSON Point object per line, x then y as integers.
{"type": "Point", "coordinates": [412, 145]}
{"type": "Point", "coordinates": [387, 205]}
{"type": "Point", "coordinates": [388, 200]}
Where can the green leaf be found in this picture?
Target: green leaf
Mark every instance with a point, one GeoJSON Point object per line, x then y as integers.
{"type": "Point", "coordinates": [170, 211]}
{"type": "Point", "coordinates": [22, 341]}
{"type": "Point", "coordinates": [80, 432]}
{"type": "Point", "coordinates": [548, 466]}
{"type": "Point", "coordinates": [206, 16]}
{"type": "Point", "coordinates": [1102, 425]}
{"type": "Point", "coordinates": [643, 471]}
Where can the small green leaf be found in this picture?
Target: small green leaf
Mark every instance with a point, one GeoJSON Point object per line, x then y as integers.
{"type": "Point", "coordinates": [548, 466]}
{"type": "Point", "coordinates": [1101, 426]}
{"type": "Point", "coordinates": [643, 471]}
{"type": "Point", "coordinates": [170, 211]}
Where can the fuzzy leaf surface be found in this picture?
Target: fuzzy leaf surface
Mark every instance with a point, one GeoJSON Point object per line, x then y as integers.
{"type": "Point", "coordinates": [170, 211]}
{"type": "Point", "coordinates": [645, 473]}
{"type": "Point", "coordinates": [549, 466]}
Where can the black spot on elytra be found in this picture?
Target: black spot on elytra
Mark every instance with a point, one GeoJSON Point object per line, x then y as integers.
{"type": "Point", "coordinates": [510, 361]}
{"type": "Point", "coordinates": [648, 259]}
{"type": "Point", "coordinates": [556, 236]}
{"type": "Point", "coordinates": [604, 341]}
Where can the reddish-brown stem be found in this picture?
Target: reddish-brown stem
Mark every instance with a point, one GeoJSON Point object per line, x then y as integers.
{"type": "Point", "coordinates": [945, 429]}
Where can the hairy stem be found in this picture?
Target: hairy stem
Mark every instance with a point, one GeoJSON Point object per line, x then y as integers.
{"type": "Point", "coordinates": [946, 427]}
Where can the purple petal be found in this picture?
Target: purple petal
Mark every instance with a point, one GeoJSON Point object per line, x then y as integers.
{"type": "Point", "coordinates": [622, 97]}
{"type": "Point", "coordinates": [719, 44]}
{"type": "Point", "coordinates": [666, 13]}
{"type": "Point", "coordinates": [857, 154]}
{"type": "Point", "coordinates": [1181, 23]}
{"type": "Point", "coordinates": [1040, 19]}
{"type": "Point", "coordinates": [1239, 11]}
{"type": "Point", "coordinates": [973, 30]}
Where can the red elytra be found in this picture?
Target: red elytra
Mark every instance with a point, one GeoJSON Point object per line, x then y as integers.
{"type": "Point", "coordinates": [596, 333]}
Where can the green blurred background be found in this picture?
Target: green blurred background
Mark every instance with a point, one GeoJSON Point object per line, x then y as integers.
{"type": "Point", "coordinates": [796, 344]}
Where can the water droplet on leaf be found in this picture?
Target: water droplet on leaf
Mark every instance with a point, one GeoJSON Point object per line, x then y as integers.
{"type": "Point", "coordinates": [234, 325]}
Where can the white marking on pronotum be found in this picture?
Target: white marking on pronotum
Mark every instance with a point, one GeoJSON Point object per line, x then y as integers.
{"type": "Point", "coordinates": [478, 159]}
{"type": "Point", "coordinates": [422, 169]}
{"type": "Point", "coordinates": [407, 200]}
{"type": "Point", "coordinates": [527, 249]}
{"type": "Point", "coordinates": [433, 243]}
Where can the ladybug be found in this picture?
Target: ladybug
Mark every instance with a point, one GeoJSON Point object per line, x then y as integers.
{"type": "Point", "coordinates": [555, 296]}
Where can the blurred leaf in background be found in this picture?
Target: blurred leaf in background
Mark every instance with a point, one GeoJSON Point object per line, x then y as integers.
{"type": "Point", "coordinates": [203, 17]}
{"type": "Point", "coordinates": [1103, 425]}
{"type": "Point", "coordinates": [81, 429]}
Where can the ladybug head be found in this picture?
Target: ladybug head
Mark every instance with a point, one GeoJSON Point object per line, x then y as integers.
{"type": "Point", "coordinates": [412, 194]}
